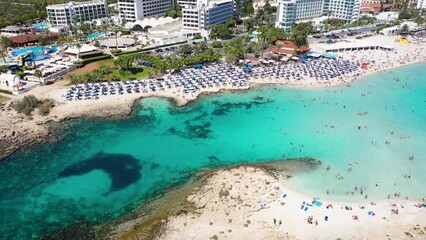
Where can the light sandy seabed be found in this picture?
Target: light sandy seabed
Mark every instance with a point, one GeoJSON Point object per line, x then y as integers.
{"type": "Point", "coordinates": [229, 207]}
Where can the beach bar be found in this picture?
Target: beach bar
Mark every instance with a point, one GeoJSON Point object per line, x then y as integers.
{"type": "Point", "coordinates": [354, 45]}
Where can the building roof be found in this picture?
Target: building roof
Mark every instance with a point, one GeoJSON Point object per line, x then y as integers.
{"type": "Point", "coordinates": [26, 38]}
{"type": "Point", "coordinates": [9, 77]}
{"type": "Point", "coordinates": [84, 48]}
{"type": "Point", "coordinates": [75, 4]}
{"type": "Point", "coordinates": [353, 44]}
{"type": "Point", "coordinates": [151, 22]}
{"type": "Point", "coordinates": [121, 42]}
{"type": "Point", "coordinates": [288, 47]}
{"type": "Point", "coordinates": [15, 28]}
{"type": "Point", "coordinates": [166, 28]}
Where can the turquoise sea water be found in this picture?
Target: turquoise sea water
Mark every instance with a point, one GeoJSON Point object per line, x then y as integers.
{"type": "Point", "coordinates": [104, 168]}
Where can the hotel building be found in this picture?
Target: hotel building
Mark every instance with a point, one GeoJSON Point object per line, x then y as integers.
{"type": "Point", "coordinates": [290, 11]}
{"type": "Point", "coordinates": [132, 10]}
{"type": "Point", "coordinates": [202, 14]}
{"type": "Point", "coordinates": [75, 12]}
{"type": "Point", "coordinates": [348, 10]}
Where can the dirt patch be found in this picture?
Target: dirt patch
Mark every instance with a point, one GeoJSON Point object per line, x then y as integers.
{"type": "Point", "coordinates": [88, 68]}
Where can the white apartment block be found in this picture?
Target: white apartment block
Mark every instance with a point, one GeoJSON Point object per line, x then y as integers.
{"type": "Point", "coordinates": [290, 11]}
{"type": "Point", "coordinates": [132, 10]}
{"type": "Point", "coordinates": [202, 14]}
{"type": "Point", "coordinates": [75, 12]}
{"type": "Point", "coordinates": [348, 10]}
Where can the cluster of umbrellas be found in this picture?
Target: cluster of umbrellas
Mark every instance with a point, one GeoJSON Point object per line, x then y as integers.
{"type": "Point", "coordinates": [327, 68]}
{"type": "Point", "coordinates": [318, 68]}
{"type": "Point", "coordinates": [189, 80]}
{"type": "Point", "coordinates": [214, 75]}
{"type": "Point", "coordinates": [218, 75]}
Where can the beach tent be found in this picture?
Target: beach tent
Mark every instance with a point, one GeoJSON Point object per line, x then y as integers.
{"type": "Point", "coordinates": [330, 55]}
{"type": "Point", "coordinates": [314, 54]}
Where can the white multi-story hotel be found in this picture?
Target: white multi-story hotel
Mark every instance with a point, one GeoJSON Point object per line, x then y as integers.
{"type": "Point", "coordinates": [75, 12]}
{"type": "Point", "coordinates": [348, 10]}
{"type": "Point", "coordinates": [202, 14]}
{"type": "Point", "coordinates": [290, 11]}
{"type": "Point", "coordinates": [132, 10]}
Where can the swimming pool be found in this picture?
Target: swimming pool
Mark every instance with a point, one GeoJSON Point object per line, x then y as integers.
{"type": "Point", "coordinates": [95, 35]}
{"type": "Point", "coordinates": [41, 26]}
{"type": "Point", "coordinates": [35, 50]}
{"type": "Point", "coordinates": [41, 57]}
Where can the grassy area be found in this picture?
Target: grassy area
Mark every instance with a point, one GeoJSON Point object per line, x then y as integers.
{"type": "Point", "coordinates": [106, 62]}
{"type": "Point", "coordinates": [134, 73]}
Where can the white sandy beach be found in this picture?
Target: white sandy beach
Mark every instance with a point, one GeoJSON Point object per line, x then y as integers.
{"type": "Point", "coordinates": [242, 203]}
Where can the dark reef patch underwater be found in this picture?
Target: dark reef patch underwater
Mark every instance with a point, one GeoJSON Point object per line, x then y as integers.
{"type": "Point", "coordinates": [123, 169]}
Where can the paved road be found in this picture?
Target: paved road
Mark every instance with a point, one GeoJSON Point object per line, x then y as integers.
{"type": "Point", "coordinates": [24, 4]}
{"type": "Point", "coordinates": [362, 30]}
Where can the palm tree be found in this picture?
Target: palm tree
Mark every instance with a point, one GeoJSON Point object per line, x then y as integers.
{"type": "Point", "coordinates": [116, 30]}
{"type": "Point", "coordinates": [5, 42]}
{"type": "Point", "coordinates": [38, 74]}
{"type": "Point", "coordinates": [78, 46]}
{"type": "Point", "coordinates": [3, 55]}
{"type": "Point", "coordinates": [329, 13]}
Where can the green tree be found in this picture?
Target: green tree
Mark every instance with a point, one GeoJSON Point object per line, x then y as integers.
{"type": "Point", "coordinates": [249, 24]}
{"type": "Point", "coordinates": [220, 31]}
{"type": "Point", "coordinates": [3, 55]}
{"type": "Point", "coordinates": [38, 74]}
{"type": "Point", "coordinates": [78, 46]}
{"type": "Point", "coordinates": [105, 71]}
{"type": "Point", "coordinates": [202, 47]}
{"type": "Point", "coordinates": [419, 20]}
{"type": "Point", "coordinates": [235, 49]}
{"type": "Point", "coordinates": [96, 43]}
{"type": "Point", "coordinates": [299, 39]}
{"type": "Point", "coordinates": [404, 14]}
{"type": "Point", "coordinates": [5, 43]}
{"type": "Point", "coordinates": [217, 44]}
{"type": "Point", "coordinates": [116, 30]}
{"type": "Point", "coordinates": [186, 50]}
{"type": "Point", "coordinates": [271, 35]}
{"type": "Point", "coordinates": [247, 8]}
{"type": "Point", "coordinates": [230, 23]}
{"type": "Point", "coordinates": [267, 7]}
{"type": "Point", "coordinates": [197, 36]}
{"type": "Point", "coordinates": [124, 62]}
{"type": "Point", "coordinates": [175, 11]}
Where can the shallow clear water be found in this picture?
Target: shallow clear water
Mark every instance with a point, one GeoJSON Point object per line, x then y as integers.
{"type": "Point", "coordinates": [109, 166]}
